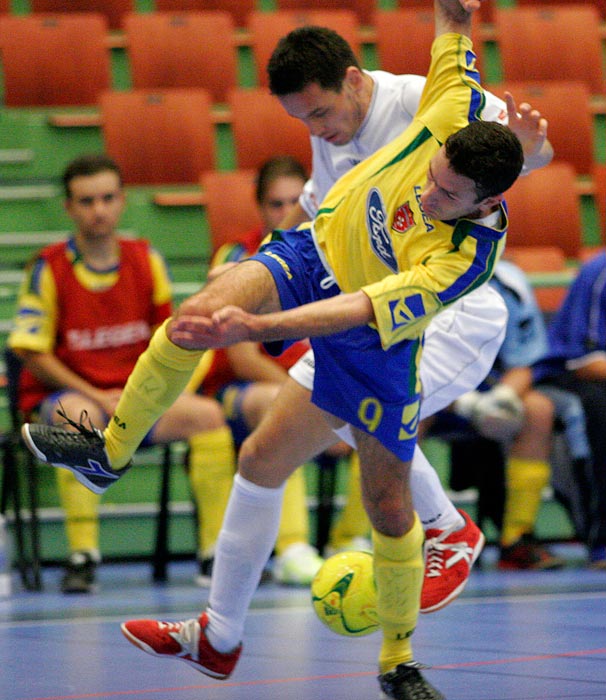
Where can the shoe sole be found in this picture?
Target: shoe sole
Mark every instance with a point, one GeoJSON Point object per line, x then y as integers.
{"type": "Point", "coordinates": [150, 650]}
{"type": "Point", "coordinates": [387, 697]}
{"type": "Point", "coordinates": [31, 446]}
{"type": "Point", "coordinates": [457, 591]}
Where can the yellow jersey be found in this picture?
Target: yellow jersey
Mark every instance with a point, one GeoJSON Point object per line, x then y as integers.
{"type": "Point", "coordinates": [372, 230]}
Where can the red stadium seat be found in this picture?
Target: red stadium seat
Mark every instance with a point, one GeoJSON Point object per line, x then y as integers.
{"type": "Point", "coordinates": [161, 136]}
{"type": "Point", "coordinates": [191, 49]}
{"type": "Point", "coordinates": [231, 208]}
{"type": "Point", "coordinates": [398, 56]}
{"type": "Point", "coordinates": [54, 60]}
{"type": "Point", "coordinates": [238, 9]}
{"type": "Point", "coordinates": [262, 129]}
{"type": "Point", "coordinates": [113, 10]}
{"type": "Point", "coordinates": [555, 42]}
{"type": "Point", "coordinates": [566, 106]}
{"type": "Point", "coordinates": [544, 209]}
{"type": "Point", "coordinates": [267, 28]}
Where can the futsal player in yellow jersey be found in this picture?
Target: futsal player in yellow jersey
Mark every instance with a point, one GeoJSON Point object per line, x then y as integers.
{"type": "Point", "coordinates": [391, 182]}
{"type": "Point", "coordinates": [404, 234]}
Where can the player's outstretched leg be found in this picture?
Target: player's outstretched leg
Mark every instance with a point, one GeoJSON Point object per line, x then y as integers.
{"type": "Point", "coordinates": [406, 682]}
{"type": "Point", "coordinates": [81, 450]}
{"type": "Point", "coordinates": [449, 556]}
{"type": "Point", "coordinates": [182, 640]}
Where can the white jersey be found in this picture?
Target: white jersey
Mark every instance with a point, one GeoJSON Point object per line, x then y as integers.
{"type": "Point", "coordinates": [395, 100]}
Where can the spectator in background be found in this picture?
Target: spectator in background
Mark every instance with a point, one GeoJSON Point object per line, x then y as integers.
{"type": "Point", "coordinates": [246, 379]}
{"type": "Point", "coordinates": [509, 409]}
{"type": "Point", "coordinates": [576, 361]}
{"type": "Point", "coordinates": [86, 311]}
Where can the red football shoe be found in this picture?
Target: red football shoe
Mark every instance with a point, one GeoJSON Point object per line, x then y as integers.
{"type": "Point", "coordinates": [449, 556]}
{"type": "Point", "coordinates": [182, 640]}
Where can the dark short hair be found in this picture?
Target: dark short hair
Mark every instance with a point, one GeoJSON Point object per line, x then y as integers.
{"type": "Point", "coordinates": [88, 164]}
{"type": "Point", "coordinates": [488, 153]}
{"type": "Point", "coordinates": [307, 55]}
{"type": "Point", "coordinates": [272, 169]}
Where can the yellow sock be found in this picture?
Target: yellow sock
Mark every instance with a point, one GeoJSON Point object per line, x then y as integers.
{"type": "Point", "coordinates": [352, 521]}
{"type": "Point", "coordinates": [212, 464]}
{"type": "Point", "coordinates": [160, 375]}
{"type": "Point", "coordinates": [81, 513]}
{"type": "Point", "coordinates": [525, 480]}
{"type": "Point", "coordinates": [398, 566]}
{"type": "Point", "coordinates": [294, 521]}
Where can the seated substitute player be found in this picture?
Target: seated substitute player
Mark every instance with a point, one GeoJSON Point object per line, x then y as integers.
{"type": "Point", "coordinates": [86, 311]}
{"type": "Point", "coordinates": [350, 113]}
{"type": "Point", "coordinates": [364, 293]}
{"type": "Point", "coordinates": [576, 362]}
{"type": "Point", "coordinates": [511, 409]}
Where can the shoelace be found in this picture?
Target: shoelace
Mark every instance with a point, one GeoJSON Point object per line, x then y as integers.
{"type": "Point", "coordinates": [91, 432]}
{"type": "Point", "coordinates": [435, 554]}
{"type": "Point", "coordinates": [186, 633]}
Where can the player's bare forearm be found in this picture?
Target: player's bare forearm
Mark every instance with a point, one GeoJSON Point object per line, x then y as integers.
{"type": "Point", "coordinates": [454, 16]}
{"type": "Point", "coordinates": [232, 324]}
{"type": "Point", "coordinates": [320, 318]}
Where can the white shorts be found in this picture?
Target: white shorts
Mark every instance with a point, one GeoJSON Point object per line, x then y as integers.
{"type": "Point", "coordinates": [461, 345]}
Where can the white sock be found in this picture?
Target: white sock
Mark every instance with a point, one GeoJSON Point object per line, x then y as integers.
{"type": "Point", "coordinates": [247, 538]}
{"type": "Point", "coordinates": [433, 506]}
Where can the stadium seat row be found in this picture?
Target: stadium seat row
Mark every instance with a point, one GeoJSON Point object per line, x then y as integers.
{"type": "Point", "coordinates": [44, 56]}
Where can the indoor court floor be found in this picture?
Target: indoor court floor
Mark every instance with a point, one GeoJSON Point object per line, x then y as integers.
{"type": "Point", "coordinates": [510, 636]}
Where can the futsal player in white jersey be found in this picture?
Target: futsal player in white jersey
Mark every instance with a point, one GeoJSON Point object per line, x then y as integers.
{"type": "Point", "coordinates": [350, 114]}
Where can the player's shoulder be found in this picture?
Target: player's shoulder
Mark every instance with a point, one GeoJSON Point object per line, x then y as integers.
{"type": "Point", "coordinates": [52, 249]}
{"type": "Point", "coordinates": [395, 100]}
{"type": "Point", "coordinates": [397, 83]}
{"type": "Point", "coordinates": [138, 243]}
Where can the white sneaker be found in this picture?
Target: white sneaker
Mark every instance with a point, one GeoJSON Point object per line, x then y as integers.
{"type": "Point", "coordinates": [355, 544]}
{"type": "Point", "coordinates": [297, 565]}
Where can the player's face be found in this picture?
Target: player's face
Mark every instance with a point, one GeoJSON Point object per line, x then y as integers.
{"type": "Point", "coordinates": [96, 203]}
{"type": "Point", "coordinates": [329, 115]}
{"type": "Point", "coordinates": [448, 195]}
{"type": "Point", "coordinates": [281, 196]}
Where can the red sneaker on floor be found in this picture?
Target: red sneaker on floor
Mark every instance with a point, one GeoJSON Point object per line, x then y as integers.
{"type": "Point", "coordinates": [449, 556]}
{"type": "Point", "coordinates": [527, 553]}
{"type": "Point", "coordinates": [183, 640]}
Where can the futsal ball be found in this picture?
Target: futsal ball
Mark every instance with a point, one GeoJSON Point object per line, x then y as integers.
{"type": "Point", "coordinates": [344, 596]}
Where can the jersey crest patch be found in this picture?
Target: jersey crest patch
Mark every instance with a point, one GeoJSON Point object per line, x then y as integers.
{"type": "Point", "coordinates": [403, 218]}
{"type": "Point", "coordinates": [380, 241]}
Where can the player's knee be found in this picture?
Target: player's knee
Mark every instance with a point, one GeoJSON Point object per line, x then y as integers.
{"type": "Point", "coordinates": [209, 414]}
{"type": "Point", "coordinates": [73, 404]}
{"type": "Point", "coordinates": [390, 516]}
{"type": "Point", "coordinates": [539, 411]}
{"type": "Point", "coordinates": [256, 463]}
{"type": "Point", "coordinates": [251, 456]}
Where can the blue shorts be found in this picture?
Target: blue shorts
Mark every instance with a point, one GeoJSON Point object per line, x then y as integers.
{"type": "Point", "coordinates": [375, 390]}
{"type": "Point", "coordinates": [231, 396]}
